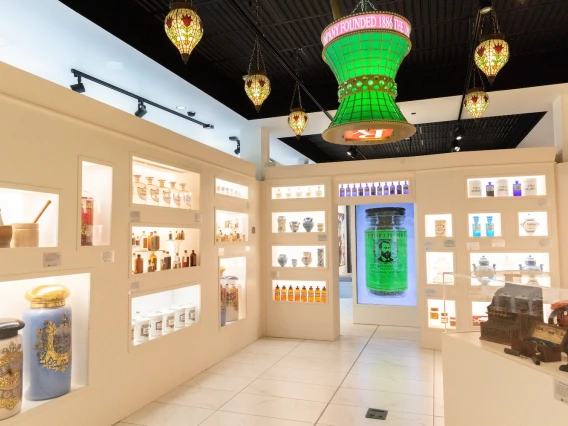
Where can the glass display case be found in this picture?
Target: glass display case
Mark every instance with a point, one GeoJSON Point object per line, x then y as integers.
{"type": "Point", "coordinates": [526, 268]}
{"type": "Point", "coordinates": [55, 311]}
{"type": "Point", "coordinates": [96, 204]}
{"type": "Point", "coordinates": [231, 227]}
{"type": "Point", "coordinates": [484, 225]}
{"type": "Point", "coordinates": [161, 185]}
{"type": "Point", "coordinates": [296, 291]}
{"type": "Point", "coordinates": [298, 222]}
{"type": "Point", "coordinates": [515, 186]}
{"type": "Point", "coordinates": [29, 217]}
{"type": "Point", "coordinates": [158, 249]}
{"type": "Point", "coordinates": [298, 257]}
{"type": "Point", "coordinates": [297, 192]}
{"type": "Point", "coordinates": [157, 314]}
{"type": "Point", "coordinates": [231, 189]}
{"type": "Point", "coordinates": [438, 225]}
{"type": "Point", "coordinates": [372, 189]}
{"type": "Point", "coordinates": [232, 289]}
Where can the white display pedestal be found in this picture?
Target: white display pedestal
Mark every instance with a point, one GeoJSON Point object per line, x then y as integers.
{"type": "Point", "coordinates": [485, 386]}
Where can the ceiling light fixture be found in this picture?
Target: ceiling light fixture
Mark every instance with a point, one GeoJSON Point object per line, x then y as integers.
{"type": "Point", "coordinates": [476, 99]}
{"type": "Point", "coordinates": [367, 113]}
{"type": "Point", "coordinates": [141, 111]}
{"type": "Point", "coordinates": [298, 119]}
{"type": "Point", "coordinates": [236, 139]}
{"type": "Point", "coordinates": [183, 27]}
{"type": "Point", "coordinates": [492, 53]}
{"type": "Point", "coordinates": [208, 126]}
{"type": "Point", "coordinates": [79, 74]}
{"type": "Point", "coordinates": [257, 83]}
{"type": "Point", "coordinates": [191, 114]}
{"type": "Point", "coordinates": [456, 146]}
{"type": "Point", "coordinates": [459, 133]}
{"type": "Point", "coordinates": [180, 107]}
{"type": "Point", "coordinates": [485, 6]}
{"type": "Point", "coordinates": [352, 152]}
{"type": "Point", "coordinates": [79, 87]}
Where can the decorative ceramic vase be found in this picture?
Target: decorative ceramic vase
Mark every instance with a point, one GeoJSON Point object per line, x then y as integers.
{"type": "Point", "coordinates": [294, 262]}
{"type": "Point", "coordinates": [529, 224]}
{"type": "Point", "coordinates": [307, 258]}
{"type": "Point", "coordinates": [278, 194]}
{"type": "Point", "coordinates": [320, 227]}
{"type": "Point", "coordinates": [319, 192]}
{"type": "Point", "coordinates": [320, 257]}
{"type": "Point", "coordinates": [11, 360]}
{"type": "Point", "coordinates": [530, 265]}
{"type": "Point", "coordinates": [281, 223]}
{"type": "Point", "coordinates": [294, 226]}
{"type": "Point", "coordinates": [298, 193]}
{"type": "Point", "coordinates": [309, 192]}
{"type": "Point", "coordinates": [47, 342]}
{"type": "Point", "coordinates": [484, 271]}
{"type": "Point", "coordinates": [308, 224]}
{"type": "Point", "coordinates": [282, 260]}
{"type": "Point", "coordinates": [25, 235]}
{"type": "Point", "coordinates": [288, 193]}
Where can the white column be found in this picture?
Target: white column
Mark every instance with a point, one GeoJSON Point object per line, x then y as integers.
{"type": "Point", "coordinates": [255, 148]}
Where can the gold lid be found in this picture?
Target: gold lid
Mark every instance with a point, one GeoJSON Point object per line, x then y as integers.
{"type": "Point", "coordinates": [48, 296]}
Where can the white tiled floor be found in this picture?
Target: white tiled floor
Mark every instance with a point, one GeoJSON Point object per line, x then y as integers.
{"type": "Point", "coordinates": [286, 382]}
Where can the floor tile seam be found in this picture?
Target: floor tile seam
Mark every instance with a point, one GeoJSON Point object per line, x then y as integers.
{"type": "Point", "coordinates": [214, 389]}
{"type": "Point", "coordinates": [313, 358]}
{"type": "Point", "coordinates": [384, 391]}
{"type": "Point", "coordinates": [267, 417]}
{"type": "Point", "coordinates": [288, 381]}
{"type": "Point", "coordinates": [198, 387]}
{"type": "Point", "coordinates": [396, 411]}
{"type": "Point", "coordinates": [397, 366]}
{"type": "Point", "coordinates": [194, 406]}
{"type": "Point", "coordinates": [283, 397]}
{"type": "Point", "coordinates": [222, 405]}
{"type": "Point", "coordinates": [342, 381]}
{"type": "Point", "coordinates": [396, 378]}
{"type": "Point", "coordinates": [271, 396]}
{"type": "Point", "coordinates": [255, 363]}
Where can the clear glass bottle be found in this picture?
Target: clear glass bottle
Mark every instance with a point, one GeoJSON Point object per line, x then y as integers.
{"type": "Point", "coordinates": [342, 191]}
{"type": "Point", "coordinates": [185, 197]}
{"type": "Point", "coordinates": [405, 188]}
{"type": "Point", "coordinates": [490, 190]}
{"type": "Point", "coordinates": [367, 190]}
{"type": "Point", "coordinates": [153, 193]}
{"type": "Point", "coordinates": [386, 245]}
{"type": "Point", "coordinates": [490, 227]}
{"type": "Point", "coordinates": [176, 198]}
{"type": "Point", "coordinates": [373, 189]}
{"type": "Point", "coordinates": [139, 191]}
{"type": "Point", "coordinates": [476, 227]}
{"type": "Point", "coordinates": [399, 189]}
{"type": "Point", "coordinates": [165, 194]}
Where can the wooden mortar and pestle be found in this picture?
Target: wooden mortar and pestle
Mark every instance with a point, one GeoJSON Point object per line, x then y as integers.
{"type": "Point", "coordinates": [27, 234]}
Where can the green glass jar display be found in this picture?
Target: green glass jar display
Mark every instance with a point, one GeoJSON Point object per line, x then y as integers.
{"type": "Point", "coordinates": [386, 248]}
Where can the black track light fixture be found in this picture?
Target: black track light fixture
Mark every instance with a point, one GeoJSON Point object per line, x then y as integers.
{"type": "Point", "coordinates": [352, 152]}
{"type": "Point", "coordinates": [485, 6]}
{"type": "Point", "coordinates": [237, 140]}
{"type": "Point", "coordinates": [456, 146]}
{"type": "Point", "coordinates": [79, 87]}
{"type": "Point", "coordinates": [141, 111]}
{"type": "Point", "coordinates": [191, 114]}
{"type": "Point", "coordinates": [208, 126]}
{"type": "Point", "coordinates": [459, 133]}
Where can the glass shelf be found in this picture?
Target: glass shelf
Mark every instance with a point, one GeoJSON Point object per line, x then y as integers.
{"type": "Point", "coordinates": [299, 292]}
{"type": "Point", "coordinates": [515, 186]}
{"type": "Point", "coordinates": [161, 185]}
{"type": "Point", "coordinates": [298, 256]}
{"type": "Point", "coordinates": [231, 227]}
{"type": "Point", "coordinates": [158, 314]}
{"type": "Point", "coordinates": [231, 189]}
{"type": "Point", "coordinates": [233, 289]}
{"type": "Point", "coordinates": [298, 192]}
{"type": "Point", "coordinates": [295, 222]}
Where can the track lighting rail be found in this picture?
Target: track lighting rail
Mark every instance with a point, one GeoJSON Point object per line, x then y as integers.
{"type": "Point", "coordinates": [140, 99]}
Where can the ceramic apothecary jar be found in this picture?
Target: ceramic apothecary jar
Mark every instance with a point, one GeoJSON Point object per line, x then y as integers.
{"type": "Point", "coordinates": [11, 363]}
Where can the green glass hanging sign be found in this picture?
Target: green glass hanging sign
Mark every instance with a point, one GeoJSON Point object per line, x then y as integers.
{"type": "Point", "coordinates": [364, 51]}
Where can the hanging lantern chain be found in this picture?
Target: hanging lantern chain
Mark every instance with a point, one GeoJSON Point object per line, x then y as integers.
{"type": "Point", "coordinates": [256, 51]}
{"type": "Point", "coordinates": [297, 87]}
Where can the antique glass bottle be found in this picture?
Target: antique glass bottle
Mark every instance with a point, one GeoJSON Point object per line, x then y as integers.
{"type": "Point", "coordinates": [386, 251]}
{"type": "Point", "coordinates": [185, 197]}
{"type": "Point", "coordinates": [405, 188]}
{"type": "Point", "coordinates": [373, 189]}
{"type": "Point", "coordinates": [360, 190]}
{"type": "Point", "coordinates": [311, 294]}
{"type": "Point", "coordinates": [317, 295]}
{"type": "Point", "coordinates": [386, 189]}
{"type": "Point", "coordinates": [399, 189]}
{"type": "Point", "coordinates": [490, 190]}
{"type": "Point", "coordinates": [517, 189]}
{"type": "Point", "coordinates": [185, 260]}
{"type": "Point", "coordinates": [490, 227]}
{"type": "Point", "coordinates": [304, 294]}
{"type": "Point", "coordinates": [354, 191]}
{"type": "Point", "coordinates": [47, 342]}
{"type": "Point", "coordinates": [87, 217]}
{"type": "Point", "coordinates": [149, 241]}
{"type": "Point", "coordinates": [11, 367]}
{"type": "Point", "coordinates": [165, 194]}
{"type": "Point", "coordinates": [153, 193]}
{"type": "Point", "coordinates": [379, 189]}
{"type": "Point", "coordinates": [154, 242]}
{"type": "Point", "coordinates": [347, 191]}
{"type": "Point", "coordinates": [176, 197]}
{"type": "Point", "coordinates": [367, 190]}
{"type": "Point", "coordinates": [476, 227]}
{"type": "Point", "coordinates": [167, 261]}
{"type": "Point", "coordinates": [392, 189]}
{"type": "Point", "coordinates": [193, 259]}
{"type": "Point", "coordinates": [342, 191]}
{"type": "Point", "coordinates": [277, 293]}
{"type": "Point", "coordinates": [139, 192]}
{"type": "Point", "coordinates": [323, 295]}
{"type": "Point", "coordinates": [290, 294]}
{"type": "Point", "coordinates": [143, 240]}
{"type": "Point", "coordinates": [283, 294]}
{"type": "Point", "coordinates": [153, 262]}
{"type": "Point", "coordinates": [297, 294]}
{"type": "Point", "coordinates": [138, 265]}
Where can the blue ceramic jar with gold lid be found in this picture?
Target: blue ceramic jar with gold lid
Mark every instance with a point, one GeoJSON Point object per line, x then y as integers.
{"type": "Point", "coordinates": [47, 342]}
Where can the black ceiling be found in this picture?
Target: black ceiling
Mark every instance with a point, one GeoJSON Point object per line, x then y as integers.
{"type": "Point", "coordinates": [436, 67]}
{"type": "Point", "coordinates": [503, 132]}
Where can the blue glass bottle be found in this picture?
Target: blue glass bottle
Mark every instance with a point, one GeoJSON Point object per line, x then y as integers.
{"type": "Point", "coordinates": [354, 191]}
{"type": "Point", "coordinates": [379, 189]}
{"type": "Point", "coordinates": [367, 190]}
{"type": "Point", "coordinates": [476, 227]}
{"type": "Point", "coordinates": [392, 189]}
{"type": "Point", "coordinates": [373, 189]}
{"type": "Point", "coordinates": [342, 191]}
{"type": "Point", "coordinates": [347, 191]}
{"type": "Point", "coordinates": [361, 190]}
{"type": "Point", "coordinates": [386, 189]}
{"type": "Point", "coordinates": [490, 227]}
{"type": "Point", "coordinates": [405, 188]}
{"type": "Point", "coordinates": [517, 189]}
{"type": "Point", "coordinates": [399, 189]}
{"type": "Point", "coordinates": [47, 342]}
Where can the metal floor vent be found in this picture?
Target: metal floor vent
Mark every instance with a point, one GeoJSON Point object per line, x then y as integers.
{"type": "Point", "coordinates": [376, 414]}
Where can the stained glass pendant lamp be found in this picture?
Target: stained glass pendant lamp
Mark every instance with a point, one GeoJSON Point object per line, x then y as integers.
{"type": "Point", "coordinates": [476, 99]}
{"type": "Point", "coordinates": [298, 118]}
{"type": "Point", "coordinates": [492, 53]}
{"type": "Point", "coordinates": [257, 83]}
{"type": "Point", "coordinates": [183, 27]}
{"type": "Point", "coordinates": [365, 50]}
